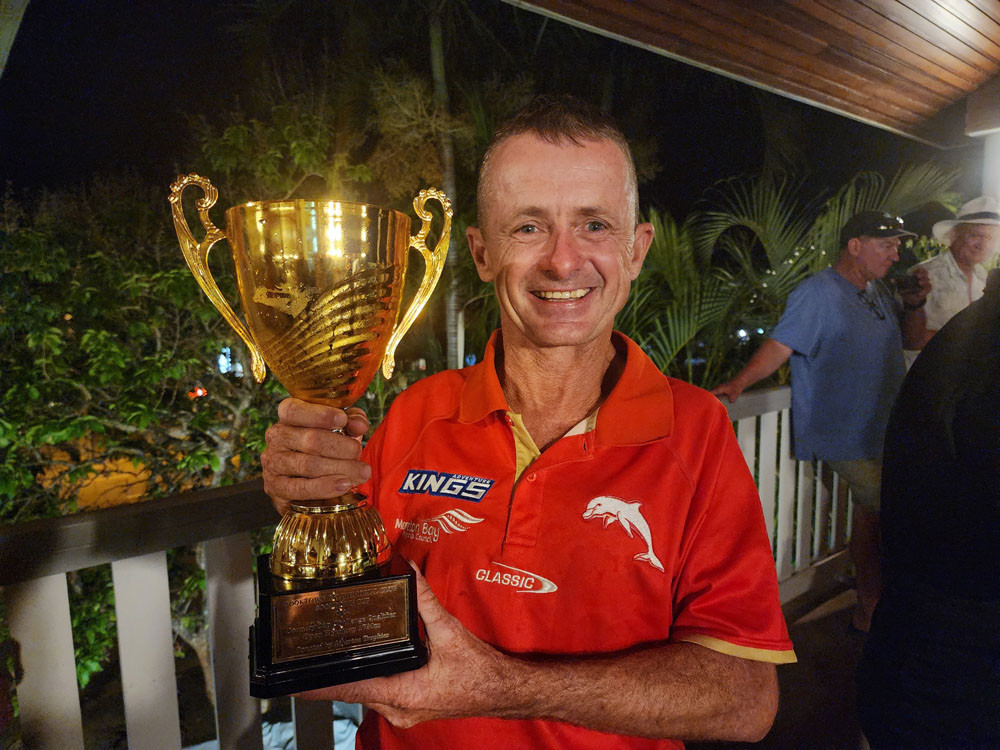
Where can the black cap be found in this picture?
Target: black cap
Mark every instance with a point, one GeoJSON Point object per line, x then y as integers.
{"type": "Point", "coordinates": [873, 224]}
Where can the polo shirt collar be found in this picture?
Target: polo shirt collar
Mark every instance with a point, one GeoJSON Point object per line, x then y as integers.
{"type": "Point", "coordinates": [639, 409]}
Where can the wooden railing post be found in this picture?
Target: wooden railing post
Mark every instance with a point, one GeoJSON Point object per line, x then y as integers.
{"type": "Point", "coordinates": [39, 621]}
{"type": "Point", "coordinates": [230, 593]}
{"type": "Point", "coordinates": [146, 652]}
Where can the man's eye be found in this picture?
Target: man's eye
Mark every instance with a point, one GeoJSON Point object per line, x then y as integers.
{"type": "Point", "coordinates": [527, 229]}
{"type": "Point", "coordinates": [596, 226]}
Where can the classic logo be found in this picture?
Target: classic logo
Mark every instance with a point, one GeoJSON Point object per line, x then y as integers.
{"type": "Point", "coordinates": [443, 484]}
{"type": "Point", "coordinates": [522, 580]}
{"type": "Point", "coordinates": [430, 530]}
{"type": "Point", "coordinates": [630, 517]}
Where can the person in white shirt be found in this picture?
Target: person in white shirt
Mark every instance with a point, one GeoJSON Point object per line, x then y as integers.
{"type": "Point", "coordinates": [958, 274]}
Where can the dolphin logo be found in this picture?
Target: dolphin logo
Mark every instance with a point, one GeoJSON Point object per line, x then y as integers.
{"type": "Point", "coordinates": [629, 515]}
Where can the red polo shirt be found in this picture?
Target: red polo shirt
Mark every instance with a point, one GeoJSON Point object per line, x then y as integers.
{"type": "Point", "coordinates": [646, 529]}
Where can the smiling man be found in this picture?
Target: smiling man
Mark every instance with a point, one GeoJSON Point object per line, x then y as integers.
{"type": "Point", "coordinates": [957, 275]}
{"type": "Point", "coordinates": [841, 330]}
{"type": "Point", "coordinates": [599, 573]}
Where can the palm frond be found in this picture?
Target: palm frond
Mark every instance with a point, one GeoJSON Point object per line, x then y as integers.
{"type": "Point", "coordinates": [864, 192]}
{"type": "Point", "coordinates": [915, 185]}
{"type": "Point", "coordinates": [680, 321]}
{"type": "Point", "coordinates": [671, 255]}
{"type": "Point", "coordinates": [765, 207]}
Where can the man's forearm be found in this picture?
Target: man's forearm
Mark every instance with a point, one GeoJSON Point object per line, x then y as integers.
{"type": "Point", "coordinates": [765, 361]}
{"type": "Point", "coordinates": [678, 691]}
{"type": "Point", "coordinates": [673, 690]}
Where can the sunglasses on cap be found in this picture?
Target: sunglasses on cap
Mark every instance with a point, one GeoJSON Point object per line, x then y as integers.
{"type": "Point", "coordinates": [873, 224]}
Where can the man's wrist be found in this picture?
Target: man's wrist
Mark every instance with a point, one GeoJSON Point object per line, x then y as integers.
{"type": "Point", "coordinates": [907, 306]}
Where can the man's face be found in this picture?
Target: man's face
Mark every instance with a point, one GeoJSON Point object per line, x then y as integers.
{"type": "Point", "coordinates": [875, 255]}
{"type": "Point", "coordinates": [558, 240]}
{"type": "Point", "coordinates": [973, 243]}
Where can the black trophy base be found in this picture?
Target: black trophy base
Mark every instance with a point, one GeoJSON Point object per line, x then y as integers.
{"type": "Point", "coordinates": [314, 634]}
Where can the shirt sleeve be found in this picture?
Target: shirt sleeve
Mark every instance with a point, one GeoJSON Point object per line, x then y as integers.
{"type": "Point", "coordinates": [801, 323]}
{"type": "Point", "coordinates": [726, 596]}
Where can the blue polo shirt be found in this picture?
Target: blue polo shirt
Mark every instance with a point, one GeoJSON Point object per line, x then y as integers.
{"type": "Point", "coordinates": [847, 365]}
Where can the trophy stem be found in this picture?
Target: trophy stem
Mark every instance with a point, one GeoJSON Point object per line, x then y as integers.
{"type": "Point", "coordinates": [329, 540]}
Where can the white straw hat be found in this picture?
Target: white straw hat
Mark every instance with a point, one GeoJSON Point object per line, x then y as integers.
{"type": "Point", "coordinates": [982, 210]}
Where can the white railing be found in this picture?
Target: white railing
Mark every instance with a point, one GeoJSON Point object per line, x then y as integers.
{"type": "Point", "coordinates": [807, 518]}
{"type": "Point", "coordinates": [34, 559]}
{"type": "Point", "coordinates": [807, 524]}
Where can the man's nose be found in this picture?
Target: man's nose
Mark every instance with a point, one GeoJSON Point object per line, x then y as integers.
{"type": "Point", "coordinates": [562, 256]}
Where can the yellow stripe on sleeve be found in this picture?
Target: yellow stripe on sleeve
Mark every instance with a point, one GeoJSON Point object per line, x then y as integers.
{"type": "Point", "coordinates": [744, 652]}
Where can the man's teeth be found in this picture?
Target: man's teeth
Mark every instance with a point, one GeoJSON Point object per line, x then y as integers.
{"type": "Point", "coordinates": [574, 294]}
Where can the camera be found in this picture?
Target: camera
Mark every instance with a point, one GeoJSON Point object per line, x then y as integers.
{"type": "Point", "coordinates": [907, 283]}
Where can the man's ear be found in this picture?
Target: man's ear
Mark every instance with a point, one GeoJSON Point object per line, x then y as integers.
{"type": "Point", "coordinates": [478, 249]}
{"type": "Point", "coordinates": [640, 246]}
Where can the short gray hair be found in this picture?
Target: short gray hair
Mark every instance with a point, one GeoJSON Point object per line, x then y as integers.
{"type": "Point", "coordinates": [557, 119]}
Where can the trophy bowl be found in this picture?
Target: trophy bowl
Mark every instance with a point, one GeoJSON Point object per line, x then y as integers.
{"type": "Point", "coordinates": [320, 284]}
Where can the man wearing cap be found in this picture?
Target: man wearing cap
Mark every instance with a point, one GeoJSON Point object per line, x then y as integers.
{"type": "Point", "coordinates": [957, 275]}
{"type": "Point", "coordinates": [841, 330]}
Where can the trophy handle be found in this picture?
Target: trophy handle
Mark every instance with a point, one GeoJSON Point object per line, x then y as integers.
{"type": "Point", "coordinates": [433, 265]}
{"type": "Point", "coordinates": [196, 255]}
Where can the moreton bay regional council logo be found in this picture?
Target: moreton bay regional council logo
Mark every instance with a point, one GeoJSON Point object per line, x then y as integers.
{"type": "Point", "coordinates": [429, 530]}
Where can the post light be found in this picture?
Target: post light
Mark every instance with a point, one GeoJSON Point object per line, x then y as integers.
{"type": "Point", "coordinates": [991, 164]}
{"type": "Point", "coordinates": [982, 120]}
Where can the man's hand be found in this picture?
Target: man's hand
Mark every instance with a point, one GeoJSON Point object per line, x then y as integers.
{"type": "Point", "coordinates": [914, 297]}
{"type": "Point", "coordinates": [312, 452]}
{"type": "Point", "coordinates": [463, 676]}
{"type": "Point", "coordinates": [766, 360]}
{"type": "Point", "coordinates": [730, 390]}
{"type": "Point", "coordinates": [915, 331]}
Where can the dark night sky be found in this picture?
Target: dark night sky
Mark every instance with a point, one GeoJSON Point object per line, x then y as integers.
{"type": "Point", "coordinates": [105, 84]}
{"type": "Point", "coordinates": [93, 86]}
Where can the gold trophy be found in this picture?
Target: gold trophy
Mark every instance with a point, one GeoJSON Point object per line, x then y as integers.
{"type": "Point", "coordinates": [321, 285]}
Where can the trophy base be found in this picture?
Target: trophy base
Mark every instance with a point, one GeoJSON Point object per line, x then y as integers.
{"type": "Point", "coordinates": [313, 634]}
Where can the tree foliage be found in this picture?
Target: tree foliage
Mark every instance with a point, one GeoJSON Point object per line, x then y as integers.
{"type": "Point", "coordinates": [112, 355]}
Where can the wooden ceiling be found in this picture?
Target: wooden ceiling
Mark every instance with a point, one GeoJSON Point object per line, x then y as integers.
{"type": "Point", "coordinates": [903, 65]}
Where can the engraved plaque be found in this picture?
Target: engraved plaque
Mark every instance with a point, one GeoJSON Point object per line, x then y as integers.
{"type": "Point", "coordinates": [312, 635]}
{"type": "Point", "coordinates": [331, 621]}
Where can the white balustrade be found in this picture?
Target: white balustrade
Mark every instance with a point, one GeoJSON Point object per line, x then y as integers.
{"type": "Point", "coordinates": [807, 518]}
{"type": "Point", "coordinates": [807, 523]}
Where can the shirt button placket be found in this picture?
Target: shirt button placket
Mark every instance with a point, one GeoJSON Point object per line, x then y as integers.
{"type": "Point", "coordinates": [526, 512]}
